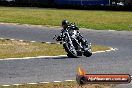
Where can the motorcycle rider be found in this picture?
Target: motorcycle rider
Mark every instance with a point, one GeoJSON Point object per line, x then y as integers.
{"type": "Point", "coordinates": [75, 33]}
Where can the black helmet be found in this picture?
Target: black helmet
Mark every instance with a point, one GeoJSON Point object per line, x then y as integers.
{"type": "Point", "coordinates": [65, 22]}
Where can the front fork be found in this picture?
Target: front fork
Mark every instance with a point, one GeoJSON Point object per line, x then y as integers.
{"type": "Point", "coordinates": [70, 41]}
{"type": "Point", "coordinates": [78, 43]}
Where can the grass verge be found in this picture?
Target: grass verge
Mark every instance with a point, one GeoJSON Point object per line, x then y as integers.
{"type": "Point", "coordinates": [17, 49]}
{"type": "Point", "coordinates": [63, 85]}
{"type": "Point", "coordinates": [106, 20]}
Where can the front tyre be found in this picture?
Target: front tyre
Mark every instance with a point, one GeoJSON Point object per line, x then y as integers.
{"type": "Point", "coordinates": [87, 53]}
{"type": "Point", "coordinates": [70, 50]}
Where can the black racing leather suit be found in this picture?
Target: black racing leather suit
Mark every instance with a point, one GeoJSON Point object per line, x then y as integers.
{"type": "Point", "coordinates": [74, 32]}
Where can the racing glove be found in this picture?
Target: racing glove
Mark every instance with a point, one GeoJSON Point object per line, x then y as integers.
{"type": "Point", "coordinates": [58, 38]}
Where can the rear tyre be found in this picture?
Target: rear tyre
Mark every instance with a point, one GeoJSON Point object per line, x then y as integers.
{"type": "Point", "coordinates": [79, 53]}
{"type": "Point", "coordinates": [70, 56]}
{"type": "Point", "coordinates": [71, 52]}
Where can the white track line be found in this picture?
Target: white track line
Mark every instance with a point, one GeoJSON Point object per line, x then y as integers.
{"type": "Point", "coordinates": [111, 49]}
{"type": "Point", "coordinates": [38, 83]}
{"type": "Point", "coordinates": [31, 83]}
{"type": "Point", "coordinates": [48, 42]}
{"type": "Point", "coordinates": [1, 38]}
{"type": "Point", "coordinates": [44, 82]}
{"type": "Point", "coordinates": [70, 80]}
{"type": "Point", "coordinates": [17, 84]}
{"type": "Point", "coordinates": [6, 85]}
{"type": "Point", "coordinates": [32, 41]}
{"type": "Point", "coordinates": [21, 40]}
{"type": "Point", "coordinates": [12, 39]}
{"type": "Point", "coordinates": [57, 81]}
{"type": "Point", "coordinates": [41, 83]}
{"type": "Point", "coordinates": [38, 57]}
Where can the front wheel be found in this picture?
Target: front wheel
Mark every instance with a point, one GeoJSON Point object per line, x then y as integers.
{"type": "Point", "coordinates": [70, 50]}
{"type": "Point", "coordinates": [87, 53]}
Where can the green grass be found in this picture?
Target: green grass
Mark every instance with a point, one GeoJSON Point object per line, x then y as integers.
{"type": "Point", "coordinates": [63, 85]}
{"type": "Point", "coordinates": [11, 49]}
{"type": "Point", "coordinates": [104, 20]}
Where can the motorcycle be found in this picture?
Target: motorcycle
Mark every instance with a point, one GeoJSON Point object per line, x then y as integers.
{"type": "Point", "coordinates": [72, 46]}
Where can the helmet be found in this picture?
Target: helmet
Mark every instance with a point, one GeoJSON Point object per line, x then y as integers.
{"type": "Point", "coordinates": [65, 22]}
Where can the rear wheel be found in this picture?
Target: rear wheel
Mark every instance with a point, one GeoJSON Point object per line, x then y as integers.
{"type": "Point", "coordinates": [79, 53]}
{"type": "Point", "coordinates": [70, 50]}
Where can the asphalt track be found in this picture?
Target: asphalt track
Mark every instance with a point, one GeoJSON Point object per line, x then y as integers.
{"type": "Point", "coordinates": [60, 69]}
